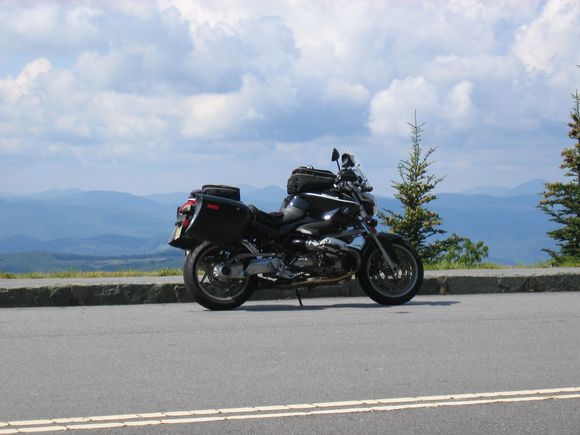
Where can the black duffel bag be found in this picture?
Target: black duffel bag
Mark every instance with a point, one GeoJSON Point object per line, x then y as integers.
{"type": "Point", "coordinates": [229, 192]}
{"type": "Point", "coordinates": [305, 179]}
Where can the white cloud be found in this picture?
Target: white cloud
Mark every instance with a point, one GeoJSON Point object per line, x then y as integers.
{"type": "Point", "coordinates": [97, 81]}
{"type": "Point", "coordinates": [340, 90]}
{"type": "Point", "coordinates": [482, 67]}
{"type": "Point", "coordinates": [458, 107]}
{"type": "Point", "coordinates": [224, 115]}
{"type": "Point", "coordinates": [550, 43]}
{"type": "Point", "coordinates": [14, 89]}
{"type": "Point", "coordinates": [212, 114]}
{"type": "Point", "coordinates": [392, 108]}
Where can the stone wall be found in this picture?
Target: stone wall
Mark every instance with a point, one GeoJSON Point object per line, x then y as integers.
{"type": "Point", "coordinates": [74, 292]}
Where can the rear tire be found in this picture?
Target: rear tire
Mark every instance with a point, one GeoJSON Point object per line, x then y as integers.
{"type": "Point", "coordinates": [382, 285]}
{"type": "Point", "coordinates": [209, 290]}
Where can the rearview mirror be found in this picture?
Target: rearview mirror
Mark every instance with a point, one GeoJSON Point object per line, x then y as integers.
{"type": "Point", "coordinates": [335, 155]}
{"type": "Point", "coordinates": [347, 161]}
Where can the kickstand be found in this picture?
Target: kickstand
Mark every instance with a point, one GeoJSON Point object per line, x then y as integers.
{"type": "Point", "coordinates": [299, 298]}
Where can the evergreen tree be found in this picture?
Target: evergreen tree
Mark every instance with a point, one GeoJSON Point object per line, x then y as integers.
{"type": "Point", "coordinates": [416, 222]}
{"type": "Point", "coordinates": [562, 199]}
{"type": "Point", "coordinates": [414, 190]}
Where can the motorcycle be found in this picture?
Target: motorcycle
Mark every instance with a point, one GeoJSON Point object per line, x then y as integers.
{"type": "Point", "coordinates": [325, 233]}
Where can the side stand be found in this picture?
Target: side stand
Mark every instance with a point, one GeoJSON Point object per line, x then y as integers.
{"type": "Point", "coordinates": [299, 298]}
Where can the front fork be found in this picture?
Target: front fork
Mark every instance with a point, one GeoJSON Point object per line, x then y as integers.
{"type": "Point", "coordinates": [379, 245]}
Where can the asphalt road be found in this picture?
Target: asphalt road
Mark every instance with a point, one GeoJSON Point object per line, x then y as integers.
{"type": "Point", "coordinates": [95, 361]}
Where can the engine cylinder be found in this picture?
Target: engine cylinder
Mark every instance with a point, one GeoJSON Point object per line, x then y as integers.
{"type": "Point", "coordinates": [328, 244]}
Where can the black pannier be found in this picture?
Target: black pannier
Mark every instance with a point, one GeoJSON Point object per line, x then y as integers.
{"type": "Point", "coordinates": [219, 220]}
{"type": "Point", "coordinates": [223, 191]}
{"type": "Point", "coordinates": [310, 180]}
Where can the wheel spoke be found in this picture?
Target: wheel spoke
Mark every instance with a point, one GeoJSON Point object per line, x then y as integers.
{"type": "Point", "coordinates": [386, 281]}
{"type": "Point", "coordinates": [214, 286]}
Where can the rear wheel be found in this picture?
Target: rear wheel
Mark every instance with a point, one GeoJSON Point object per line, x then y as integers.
{"type": "Point", "coordinates": [206, 286]}
{"type": "Point", "coordinates": [388, 287]}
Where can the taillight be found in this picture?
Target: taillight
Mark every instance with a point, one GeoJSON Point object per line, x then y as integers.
{"type": "Point", "coordinates": [213, 206]}
{"type": "Point", "coordinates": [186, 208]}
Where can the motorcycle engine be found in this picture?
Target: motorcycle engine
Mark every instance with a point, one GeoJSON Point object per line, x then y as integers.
{"type": "Point", "coordinates": [328, 257]}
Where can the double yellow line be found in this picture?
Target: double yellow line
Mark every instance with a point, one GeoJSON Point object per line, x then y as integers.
{"type": "Point", "coordinates": [283, 411]}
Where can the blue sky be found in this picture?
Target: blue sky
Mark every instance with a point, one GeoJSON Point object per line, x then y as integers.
{"type": "Point", "coordinates": [162, 96]}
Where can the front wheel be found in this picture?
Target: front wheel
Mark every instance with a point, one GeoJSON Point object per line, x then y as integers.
{"type": "Point", "coordinates": [209, 289]}
{"type": "Point", "coordinates": [386, 286]}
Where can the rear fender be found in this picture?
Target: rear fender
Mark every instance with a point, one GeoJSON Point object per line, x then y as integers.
{"type": "Point", "coordinates": [182, 240]}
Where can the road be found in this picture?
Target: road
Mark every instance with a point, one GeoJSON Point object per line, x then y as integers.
{"type": "Point", "coordinates": [106, 361]}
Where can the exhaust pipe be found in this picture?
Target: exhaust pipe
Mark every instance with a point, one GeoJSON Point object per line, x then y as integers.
{"type": "Point", "coordinates": [237, 271]}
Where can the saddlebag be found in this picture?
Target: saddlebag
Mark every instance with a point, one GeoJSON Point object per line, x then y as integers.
{"type": "Point", "coordinates": [310, 180]}
{"type": "Point", "coordinates": [219, 220]}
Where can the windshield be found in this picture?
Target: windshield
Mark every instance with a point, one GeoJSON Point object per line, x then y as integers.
{"type": "Point", "coordinates": [358, 169]}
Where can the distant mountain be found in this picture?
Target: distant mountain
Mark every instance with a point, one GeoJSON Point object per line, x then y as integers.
{"type": "Point", "coordinates": [49, 262]}
{"type": "Point", "coordinates": [47, 194]}
{"type": "Point", "coordinates": [109, 244]}
{"type": "Point", "coordinates": [83, 215]}
{"type": "Point", "coordinates": [532, 187]}
{"type": "Point", "coordinates": [101, 223]}
{"type": "Point", "coordinates": [106, 199]}
{"type": "Point", "coordinates": [248, 194]}
{"type": "Point", "coordinates": [266, 198]}
{"type": "Point", "coordinates": [513, 228]}
{"type": "Point", "coordinates": [174, 199]}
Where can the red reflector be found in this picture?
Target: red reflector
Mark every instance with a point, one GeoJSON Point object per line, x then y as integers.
{"type": "Point", "coordinates": [186, 208]}
{"type": "Point", "coordinates": [213, 206]}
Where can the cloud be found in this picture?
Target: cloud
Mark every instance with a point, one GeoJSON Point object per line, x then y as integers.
{"type": "Point", "coordinates": [340, 90]}
{"type": "Point", "coordinates": [11, 90]}
{"type": "Point", "coordinates": [392, 108]}
{"type": "Point", "coordinates": [215, 114]}
{"type": "Point", "coordinates": [458, 107]}
{"type": "Point", "coordinates": [482, 67]}
{"type": "Point", "coordinates": [99, 82]}
{"type": "Point", "coordinates": [549, 43]}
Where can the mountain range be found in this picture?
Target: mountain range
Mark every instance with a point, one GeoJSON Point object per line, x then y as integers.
{"type": "Point", "coordinates": [116, 224]}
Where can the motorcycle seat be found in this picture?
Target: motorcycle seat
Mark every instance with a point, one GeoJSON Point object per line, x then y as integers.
{"type": "Point", "coordinates": [272, 219]}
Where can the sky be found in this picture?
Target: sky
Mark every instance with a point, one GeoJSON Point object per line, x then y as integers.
{"type": "Point", "coordinates": [164, 96]}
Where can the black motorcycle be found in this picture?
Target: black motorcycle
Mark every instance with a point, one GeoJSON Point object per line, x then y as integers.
{"type": "Point", "coordinates": [325, 233]}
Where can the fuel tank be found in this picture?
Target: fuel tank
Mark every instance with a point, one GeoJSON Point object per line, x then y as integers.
{"type": "Point", "coordinates": [317, 213]}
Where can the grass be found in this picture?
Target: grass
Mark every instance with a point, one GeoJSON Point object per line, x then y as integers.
{"type": "Point", "coordinates": [172, 272]}
{"type": "Point", "coordinates": [542, 265]}
{"type": "Point", "coordinates": [78, 274]}
{"type": "Point", "coordinates": [449, 266]}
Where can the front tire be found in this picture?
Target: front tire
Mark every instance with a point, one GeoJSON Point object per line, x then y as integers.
{"type": "Point", "coordinates": [209, 290]}
{"type": "Point", "coordinates": [383, 285]}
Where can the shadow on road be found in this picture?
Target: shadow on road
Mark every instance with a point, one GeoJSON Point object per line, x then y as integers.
{"type": "Point", "coordinates": [372, 305]}
{"type": "Point", "coordinates": [434, 303]}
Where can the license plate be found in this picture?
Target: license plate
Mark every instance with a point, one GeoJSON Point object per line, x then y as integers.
{"type": "Point", "coordinates": [177, 232]}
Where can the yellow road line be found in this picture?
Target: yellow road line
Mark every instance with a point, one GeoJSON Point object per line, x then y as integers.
{"type": "Point", "coordinates": [292, 410]}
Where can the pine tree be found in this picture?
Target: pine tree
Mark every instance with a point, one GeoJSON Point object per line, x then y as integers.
{"type": "Point", "coordinates": [416, 222]}
{"type": "Point", "coordinates": [562, 199]}
{"type": "Point", "coordinates": [414, 190]}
